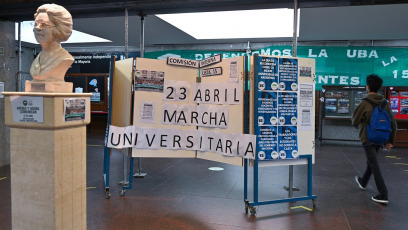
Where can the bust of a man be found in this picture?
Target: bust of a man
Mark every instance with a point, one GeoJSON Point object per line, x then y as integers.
{"type": "Point", "coordinates": [53, 25]}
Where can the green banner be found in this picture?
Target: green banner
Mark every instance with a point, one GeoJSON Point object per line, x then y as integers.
{"type": "Point", "coordinates": [341, 66]}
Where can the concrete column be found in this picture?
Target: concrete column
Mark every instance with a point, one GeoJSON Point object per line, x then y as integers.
{"type": "Point", "coordinates": [8, 75]}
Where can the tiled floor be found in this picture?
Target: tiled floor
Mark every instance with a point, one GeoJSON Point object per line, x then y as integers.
{"type": "Point", "coordinates": [184, 194]}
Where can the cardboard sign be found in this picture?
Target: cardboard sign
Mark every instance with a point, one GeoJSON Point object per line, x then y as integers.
{"type": "Point", "coordinates": [211, 72]}
{"type": "Point", "coordinates": [183, 62]}
{"type": "Point", "coordinates": [210, 61]}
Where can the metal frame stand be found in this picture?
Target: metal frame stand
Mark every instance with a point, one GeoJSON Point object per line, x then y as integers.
{"type": "Point", "coordinates": [139, 173]}
{"type": "Point", "coordinates": [251, 205]}
{"type": "Point", "coordinates": [107, 151]}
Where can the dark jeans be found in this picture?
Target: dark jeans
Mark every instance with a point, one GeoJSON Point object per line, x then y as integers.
{"type": "Point", "coordinates": [374, 168]}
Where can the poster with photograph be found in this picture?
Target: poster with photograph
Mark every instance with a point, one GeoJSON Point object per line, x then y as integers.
{"type": "Point", "coordinates": [343, 106]}
{"type": "Point", "coordinates": [394, 103]}
{"type": "Point", "coordinates": [404, 111]}
{"type": "Point", "coordinates": [404, 101]}
{"type": "Point", "coordinates": [305, 71]}
{"type": "Point", "coordinates": [146, 80]}
{"type": "Point", "coordinates": [74, 109]}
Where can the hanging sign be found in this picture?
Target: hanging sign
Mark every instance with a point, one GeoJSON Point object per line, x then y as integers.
{"type": "Point", "coordinates": [211, 72]}
{"type": "Point", "coordinates": [183, 62]}
{"type": "Point", "coordinates": [210, 61]}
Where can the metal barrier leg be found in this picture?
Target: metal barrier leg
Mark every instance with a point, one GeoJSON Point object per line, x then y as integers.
{"type": "Point", "coordinates": [126, 159]}
{"type": "Point", "coordinates": [139, 173]}
{"type": "Point", "coordinates": [291, 188]}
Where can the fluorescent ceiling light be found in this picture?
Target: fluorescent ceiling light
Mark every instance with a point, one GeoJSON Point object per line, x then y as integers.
{"type": "Point", "coordinates": [27, 35]}
{"type": "Point", "coordinates": [269, 23]}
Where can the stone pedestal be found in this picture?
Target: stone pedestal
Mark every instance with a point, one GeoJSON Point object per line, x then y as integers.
{"type": "Point", "coordinates": [48, 162]}
{"type": "Point", "coordinates": [49, 86]}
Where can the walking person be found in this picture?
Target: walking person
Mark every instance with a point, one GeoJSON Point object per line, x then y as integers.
{"type": "Point", "coordinates": [363, 116]}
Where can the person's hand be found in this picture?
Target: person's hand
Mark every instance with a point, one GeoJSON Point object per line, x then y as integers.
{"type": "Point", "coordinates": [388, 146]}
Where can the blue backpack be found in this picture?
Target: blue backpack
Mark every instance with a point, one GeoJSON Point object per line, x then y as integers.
{"type": "Point", "coordinates": [379, 128]}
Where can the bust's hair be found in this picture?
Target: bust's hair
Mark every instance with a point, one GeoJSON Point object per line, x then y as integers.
{"type": "Point", "coordinates": [60, 17]}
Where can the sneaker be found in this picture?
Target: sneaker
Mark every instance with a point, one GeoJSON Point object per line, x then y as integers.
{"type": "Point", "coordinates": [380, 199]}
{"type": "Point", "coordinates": [358, 182]}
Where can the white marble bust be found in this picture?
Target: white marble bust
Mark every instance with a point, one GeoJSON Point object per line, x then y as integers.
{"type": "Point", "coordinates": [53, 25]}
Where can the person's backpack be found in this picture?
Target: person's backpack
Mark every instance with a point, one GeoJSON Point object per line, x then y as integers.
{"type": "Point", "coordinates": [379, 127]}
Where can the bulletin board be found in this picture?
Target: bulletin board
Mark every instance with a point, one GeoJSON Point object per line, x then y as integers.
{"type": "Point", "coordinates": [162, 91]}
{"type": "Point", "coordinates": [283, 114]}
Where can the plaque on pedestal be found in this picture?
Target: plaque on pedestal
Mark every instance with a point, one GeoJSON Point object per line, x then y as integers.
{"type": "Point", "coordinates": [49, 86]}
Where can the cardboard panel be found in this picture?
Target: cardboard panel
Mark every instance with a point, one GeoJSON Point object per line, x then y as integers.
{"type": "Point", "coordinates": [236, 112]}
{"type": "Point", "coordinates": [122, 93]}
{"type": "Point", "coordinates": [305, 136]}
{"type": "Point", "coordinates": [174, 73]}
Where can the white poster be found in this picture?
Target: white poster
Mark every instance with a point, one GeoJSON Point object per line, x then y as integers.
{"type": "Point", "coordinates": [215, 116]}
{"type": "Point", "coordinates": [305, 118]}
{"type": "Point", "coordinates": [27, 109]}
{"type": "Point", "coordinates": [147, 111]}
{"type": "Point", "coordinates": [176, 91]}
{"type": "Point", "coordinates": [1, 89]}
{"type": "Point", "coordinates": [218, 93]}
{"type": "Point", "coordinates": [242, 145]}
{"type": "Point", "coordinates": [233, 71]}
{"type": "Point", "coordinates": [306, 95]}
{"type": "Point", "coordinates": [305, 106]}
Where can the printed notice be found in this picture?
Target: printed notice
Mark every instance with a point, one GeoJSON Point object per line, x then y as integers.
{"type": "Point", "coordinates": [75, 109]}
{"type": "Point", "coordinates": [27, 109]}
{"type": "Point", "coordinates": [287, 142]}
{"type": "Point", "coordinates": [287, 108]}
{"type": "Point", "coordinates": [233, 71]}
{"type": "Point", "coordinates": [267, 72]}
{"type": "Point", "coordinates": [1, 89]}
{"type": "Point", "coordinates": [288, 74]}
{"type": "Point", "coordinates": [147, 112]}
{"type": "Point", "coordinates": [306, 95]}
{"type": "Point", "coordinates": [305, 118]}
{"type": "Point", "coordinates": [267, 140]}
{"type": "Point", "coordinates": [267, 108]}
